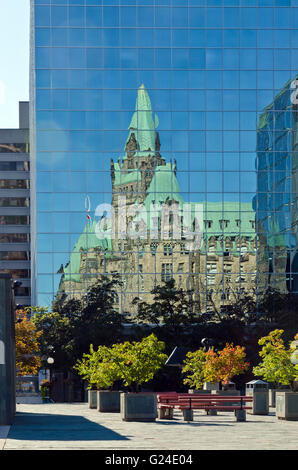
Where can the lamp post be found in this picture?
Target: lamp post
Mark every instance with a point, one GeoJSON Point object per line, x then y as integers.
{"type": "Point", "coordinates": [50, 361]}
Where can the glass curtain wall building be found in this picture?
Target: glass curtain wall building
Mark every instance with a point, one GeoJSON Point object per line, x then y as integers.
{"type": "Point", "coordinates": [156, 126]}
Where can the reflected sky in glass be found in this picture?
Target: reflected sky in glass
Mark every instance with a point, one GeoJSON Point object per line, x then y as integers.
{"type": "Point", "coordinates": [210, 68]}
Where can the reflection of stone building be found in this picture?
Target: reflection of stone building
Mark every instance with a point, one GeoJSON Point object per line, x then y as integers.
{"type": "Point", "coordinates": [276, 199]}
{"type": "Point", "coordinates": [209, 247]}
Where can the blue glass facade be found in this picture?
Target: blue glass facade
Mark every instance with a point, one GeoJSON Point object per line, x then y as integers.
{"type": "Point", "coordinates": [276, 198]}
{"type": "Point", "coordinates": [202, 72]}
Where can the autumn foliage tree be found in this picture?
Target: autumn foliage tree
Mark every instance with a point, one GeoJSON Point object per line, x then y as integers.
{"type": "Point", "coordinates": [27, 345]}
{"type": "Point", "coordinates": [221, 366]}
{"type": "Point", "coordinates": [212, 366]}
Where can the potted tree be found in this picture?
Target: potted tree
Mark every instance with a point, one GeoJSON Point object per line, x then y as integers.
{"type": "Point", "coordinates": [223, 365]}
{"type": "Point", "coordinates": [98, 369]}
{"type": "Point", "coordinates": [195, 371]}
{"type": "Point", "coordinates": [137, 363]}
{"type": "Point", "coordinates": [279, 367]}
{"type": "Point", "coordinates": [45, 390]}
{"type": "Point", "coordinates": [215, 367]}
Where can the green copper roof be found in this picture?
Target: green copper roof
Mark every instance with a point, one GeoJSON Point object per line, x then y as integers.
{"type": "Point", "coordinates": [87, 240]}
{"type": "Point", "coordinates": [142, 123]}
{"type": "Point", "coordinates": [164, 185]}
{"type": "Point", "coordinates": [231, 212]}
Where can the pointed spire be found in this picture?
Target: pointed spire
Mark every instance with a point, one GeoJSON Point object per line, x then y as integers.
{"type": "Point", "coordinates": [142, 123]}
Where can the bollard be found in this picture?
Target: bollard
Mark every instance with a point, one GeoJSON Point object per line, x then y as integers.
{"type": "Point", "coordinates": [240, 416]}
{"type": "Point", "coordinates": [211, 412]}
{"type": "Point", "coordinates": [187, 415]}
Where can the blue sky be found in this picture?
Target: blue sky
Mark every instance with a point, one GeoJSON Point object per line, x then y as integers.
{"type": "Point", "coordinates": [14, 57]}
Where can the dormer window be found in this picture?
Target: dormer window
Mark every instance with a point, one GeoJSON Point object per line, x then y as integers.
{"type": "Point", "coordinates": [224, 224]}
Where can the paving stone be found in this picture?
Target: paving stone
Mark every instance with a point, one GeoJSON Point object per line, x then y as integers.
{"type": "Point", "coordinates": [75, 426]}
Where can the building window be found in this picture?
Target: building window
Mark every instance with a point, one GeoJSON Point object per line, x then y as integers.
{"type": "Point", "coordinates": [167, 249]}
{"type": "Point", "coordinates": [166, 271]}
{"type": "Point", "coordinates": [153, 248]}
{"type": "Point", "coordinates": [180, 268]}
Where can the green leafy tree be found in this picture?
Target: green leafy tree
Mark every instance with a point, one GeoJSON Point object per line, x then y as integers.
{"type": "Point", "coordinates": [98, 368]}
{"type": "Point", "coordinates": [139, 361]}
{"type": "Point", "coordinates": [195, 369]}
{"type": "Point", "coordinates": [171, 308]}
{"type": "Point", "coordinates": [57, 336]}
{"type": "Point", "coordinates": [98, 322]}
{"type": "Point", "coordinates": [276, 365]}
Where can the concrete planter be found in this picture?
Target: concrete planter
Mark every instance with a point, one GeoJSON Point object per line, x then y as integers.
{"type": "Point", "coordinates": [92, 399]}
{"type": "Point", "coordinates": [272, 395]}
{"type": "Point", "coordinates": [199, 392]}
{"type": "Point", "coordinates": [211, 386]}
{"type": "Point", "coordinates": [226, 393]}
{"type": "Point", "coordinates": [287, 405]}
{"type": "Point", "coordinates": [108, 401]}
{"type": "Point", "coordinates": [138, 406]}
{"type": "Point", "coordinates": [29, 398]}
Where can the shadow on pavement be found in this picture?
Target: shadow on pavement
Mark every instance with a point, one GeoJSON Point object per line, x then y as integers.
{"type": "Point", "coordinates": [51, 427]}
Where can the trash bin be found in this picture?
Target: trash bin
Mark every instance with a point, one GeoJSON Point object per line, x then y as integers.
{"type": "Point", "coordinates": [259, 390]}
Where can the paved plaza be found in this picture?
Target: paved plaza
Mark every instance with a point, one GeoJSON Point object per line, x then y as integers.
{"type": "Point", "coordinates": [75, 426]}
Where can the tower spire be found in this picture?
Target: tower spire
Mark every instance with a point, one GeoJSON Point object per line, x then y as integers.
{"type": "Point", "coordinates": [142, 124]}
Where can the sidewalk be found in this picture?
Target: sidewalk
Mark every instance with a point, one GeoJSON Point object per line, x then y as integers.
{"type": "Point", "coordinates": [4, 430]}
{"type": "Point", "coordinates": [75, 426]}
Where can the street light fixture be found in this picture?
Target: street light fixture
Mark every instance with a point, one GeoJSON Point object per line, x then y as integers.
{"type": "Point", "coordinates": [50, 361]}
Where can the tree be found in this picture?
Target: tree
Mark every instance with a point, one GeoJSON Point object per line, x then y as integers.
{"type": "Point", "coordinates": [98, 368]}
{"type": "Point", "coordinates": [78, 323]}
{"type": "Point", "coordinates": [138, 362]}
{"type": "Point", "coordinates": [276, 365]}
{"type": "Point", "coordinates": [171, 307]}
{"type": "Point", "coordinates": [195, 369]}
{"type": "Point", "coordinates": [221, 366]}
{"type": "Point", "coordinates": [57, 336]}
{"type": "Point", "coordinates": [98, 321]}
{"type": "Point", "coordinates": [27, 345]}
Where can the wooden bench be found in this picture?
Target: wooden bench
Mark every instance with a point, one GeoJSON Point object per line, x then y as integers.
{"type": "Point", "coordinates": [210, 403]}
{"type": "Point", "coordinates": [168, 401]}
